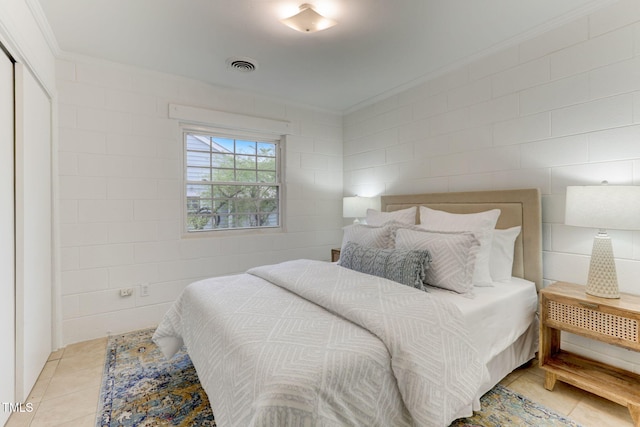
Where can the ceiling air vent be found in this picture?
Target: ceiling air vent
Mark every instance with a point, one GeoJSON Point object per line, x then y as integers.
{"type": "Point", "coordinates": [242, 64]}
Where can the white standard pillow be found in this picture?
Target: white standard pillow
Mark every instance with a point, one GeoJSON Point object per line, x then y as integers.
{"type": "Point", "coordinates": [481, 223]}
{"type": "Point", "coordinates": [453, 257]}
{"type": "Point", "coordinates": [404, 216]}
{"type": "Point", "coordinates": [502, 248]}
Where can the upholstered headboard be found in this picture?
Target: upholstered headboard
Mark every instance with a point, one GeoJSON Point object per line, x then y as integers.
{"type": "Point", "coordinates": [517, 207]}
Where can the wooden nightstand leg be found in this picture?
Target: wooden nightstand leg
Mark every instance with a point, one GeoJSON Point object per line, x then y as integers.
{"type": "Point", "coordinates": [634, 410]}
{"type": "Point", "coordinates": [550, 381]}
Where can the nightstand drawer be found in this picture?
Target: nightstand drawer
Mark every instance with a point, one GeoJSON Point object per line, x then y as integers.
{"type": "Point", "coordinates": [587, 317]}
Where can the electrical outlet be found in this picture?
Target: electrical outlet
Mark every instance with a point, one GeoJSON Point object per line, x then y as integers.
{"type": "Point", "coordinates": [126, 292]}
{"type": "Point", "coordinates": [144, 290]}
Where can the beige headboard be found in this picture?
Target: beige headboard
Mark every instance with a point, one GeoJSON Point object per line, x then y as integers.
{"type": "Point", "coordinates": [518, 207]}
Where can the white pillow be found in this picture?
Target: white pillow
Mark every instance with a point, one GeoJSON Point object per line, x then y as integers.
{"type": "Point", "coordinates": [502, 248]}
{"type": "Point", "coordinates": [368, 235]}
{"type": "Point", "coordinates": [453, 257]}
{"type": "Point", "coordinates": [481, 223]}
{"type": "Point", "coordinates": [404, 216]}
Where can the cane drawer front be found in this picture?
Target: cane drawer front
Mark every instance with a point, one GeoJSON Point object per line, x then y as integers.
{"type": "Point", "coordinates": [593, 317]}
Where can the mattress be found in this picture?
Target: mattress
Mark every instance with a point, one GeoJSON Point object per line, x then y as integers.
{"type": "Point", "coordinates": [497, 315]}
{"type": "Point", "coordinates": [501, 320]}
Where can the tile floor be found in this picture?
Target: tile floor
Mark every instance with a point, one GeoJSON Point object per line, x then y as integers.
{"type": "Point", "coordinates": [66, 393]}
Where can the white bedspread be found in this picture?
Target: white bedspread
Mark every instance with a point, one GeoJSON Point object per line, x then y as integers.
{"type": "Point", "coordinates": [308, 343]}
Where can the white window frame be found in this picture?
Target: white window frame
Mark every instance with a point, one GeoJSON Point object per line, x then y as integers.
{"type": "Point", "coordinates": [279, 141]}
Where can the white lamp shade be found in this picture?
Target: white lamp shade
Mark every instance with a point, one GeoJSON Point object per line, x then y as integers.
{"type": "Point", "coordinates": [356, 207]}
{"type": "Point", "coordinates": [612, 207]}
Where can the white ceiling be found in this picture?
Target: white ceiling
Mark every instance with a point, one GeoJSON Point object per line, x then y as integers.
{"type": "Point", "coordinates": [377, 47]}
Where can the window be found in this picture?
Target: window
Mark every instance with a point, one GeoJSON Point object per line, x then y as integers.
{"type": "Point", "coordinates": [231, 182]}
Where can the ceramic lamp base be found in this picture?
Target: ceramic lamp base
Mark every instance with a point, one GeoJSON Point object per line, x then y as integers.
{"type": "Point", "coordinates": [602, 281]}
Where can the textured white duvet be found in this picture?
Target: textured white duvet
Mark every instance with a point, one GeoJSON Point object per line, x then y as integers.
{"type": "Point", "coordinates": [309, 343]}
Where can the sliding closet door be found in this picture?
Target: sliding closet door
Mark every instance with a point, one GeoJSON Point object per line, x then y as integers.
{"type": "Point", "coordinates": [7, 239]}
{"type": "Point", "coordinates": [33, 230]}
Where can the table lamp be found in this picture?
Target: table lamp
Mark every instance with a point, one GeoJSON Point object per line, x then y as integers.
{"type": "Point", "coordinates": [615, 207]}
{"type": "Point", "coordinates": [356, 206]}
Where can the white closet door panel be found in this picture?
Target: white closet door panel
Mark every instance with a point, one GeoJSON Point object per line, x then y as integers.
{"type": "Point", "coordinates": [7, 241]}
{"type": "Point", "coordinates": [33, 230]}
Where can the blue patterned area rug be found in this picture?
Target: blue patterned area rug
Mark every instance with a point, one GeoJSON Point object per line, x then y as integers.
{"type": "Point", "coordinates": [141, 388]}
{"type": "Point", "coordinates": [502, 407]}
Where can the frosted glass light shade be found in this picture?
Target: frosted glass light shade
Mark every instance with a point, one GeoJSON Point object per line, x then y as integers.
{"type": "Point", "coordinates": [604, 207]}
{"type": "Point", "coordinates": [356, 207]}
{"type": "Point", "coordinates": [308, 20]}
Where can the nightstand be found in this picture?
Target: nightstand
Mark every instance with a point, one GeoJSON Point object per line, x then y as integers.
{"type": "Point", "coordinates": [335, 255]}
{"type": "Point", "coordinates": [566, 307]}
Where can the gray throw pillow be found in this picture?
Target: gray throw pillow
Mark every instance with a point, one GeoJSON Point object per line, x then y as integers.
{"type": "Point", "coordinates": [400, 265]}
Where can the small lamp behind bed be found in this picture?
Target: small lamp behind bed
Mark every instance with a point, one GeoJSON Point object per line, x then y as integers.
{"type": "Point", "coordinates": [604, 207]}
{"type": "Point", "coordinates": [356, 207]}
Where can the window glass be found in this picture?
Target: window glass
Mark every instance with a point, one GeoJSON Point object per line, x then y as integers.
{"type": "Point", "coordinates": [231, 183]}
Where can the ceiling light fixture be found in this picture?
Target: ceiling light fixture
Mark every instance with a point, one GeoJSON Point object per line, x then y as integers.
{"type": "Point", "coordinates": [308, 20]}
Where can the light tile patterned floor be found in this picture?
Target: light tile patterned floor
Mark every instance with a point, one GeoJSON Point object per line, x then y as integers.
{"type": "Point", "coordinates": [66, 393]}
{"type": "Point", "coordinates": [582, 407]}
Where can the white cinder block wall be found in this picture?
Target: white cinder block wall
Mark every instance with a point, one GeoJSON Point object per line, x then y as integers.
{"type": "Point", "coordinates": [561, 109]}
{"type": "Point", "coordinates": [120, 178]}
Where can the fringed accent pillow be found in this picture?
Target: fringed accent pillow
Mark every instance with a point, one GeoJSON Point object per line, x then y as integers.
{"type": "Point", "coordinates": [400, 265]}
{"type": "Point", "coordinates": [453, 257]}
{"type": "Point", "coordinates": [383, 237]}
{"type": "Point", "coordinates": [481, 224]}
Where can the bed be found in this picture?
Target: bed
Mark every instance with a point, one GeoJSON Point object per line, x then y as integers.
{"type": "Point", "coordinates": [484, 315]}
{"type": "Point", "coordinates": [312, 343]}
